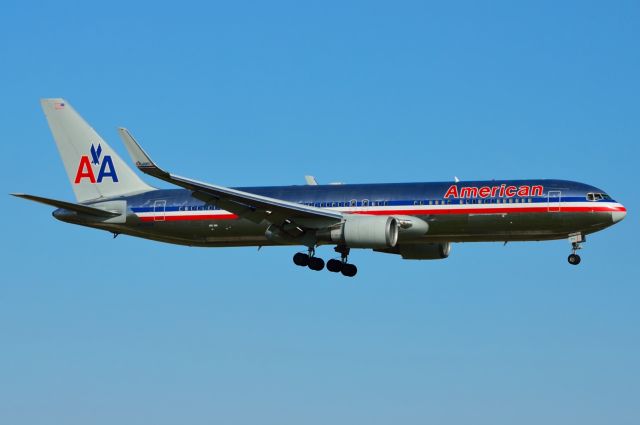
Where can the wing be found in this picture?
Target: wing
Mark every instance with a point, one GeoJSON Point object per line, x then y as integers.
{"type": "Point", "coordinates": [246, 205]}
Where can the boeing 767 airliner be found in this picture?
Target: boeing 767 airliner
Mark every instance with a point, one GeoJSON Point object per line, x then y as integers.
{"type": "Point", "coordinates": [417, 221]}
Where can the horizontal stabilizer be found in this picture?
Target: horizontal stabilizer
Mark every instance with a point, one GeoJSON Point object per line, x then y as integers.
{"type": "Point", "coordinates": [82, 209]}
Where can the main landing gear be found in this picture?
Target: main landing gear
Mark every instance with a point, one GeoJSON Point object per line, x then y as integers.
{"type": "Point", "coordinates": [308, 260]}
{"type": "Point", "coordinates": [341, 265]}
{"type": "Point", "coordinates": [333, 265]}
{"type": "Point", "coordinates": [576, 244]}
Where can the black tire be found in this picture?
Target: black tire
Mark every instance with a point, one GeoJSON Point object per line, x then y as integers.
{"type": "Point", "coordinates": [574, 259]}
{"type": "Point", "coordinates": [349, 270]}
{"type": "Point", "coordinates": [316, 263]}
{"type": "Point", "coordinates": [334, 265]}
{"type": "Point", "coordinates": [300, 259]}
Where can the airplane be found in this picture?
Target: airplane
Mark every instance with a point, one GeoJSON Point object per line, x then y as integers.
{"type": "Point", "coordinates": [417, 221]}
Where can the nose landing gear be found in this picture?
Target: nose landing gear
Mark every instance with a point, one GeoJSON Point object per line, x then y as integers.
{"type": "Point", "coordinates": [576, 243]}
{"type": "Point", "coordinates": [574, 259]}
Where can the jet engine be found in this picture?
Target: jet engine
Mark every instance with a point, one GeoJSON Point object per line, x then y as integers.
{"type": "Point", "coordinates": [364, 231]}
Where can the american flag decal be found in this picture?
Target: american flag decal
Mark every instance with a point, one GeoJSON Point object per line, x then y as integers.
{"type": "Point", "coordinates": [58, 105]}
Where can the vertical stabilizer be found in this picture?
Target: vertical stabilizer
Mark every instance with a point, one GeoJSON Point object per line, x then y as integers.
{"type": "Point", "coordinates": [95, 170]}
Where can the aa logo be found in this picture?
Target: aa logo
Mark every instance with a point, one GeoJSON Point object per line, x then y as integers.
{"type": "Point", "coordinates": [86, 167]}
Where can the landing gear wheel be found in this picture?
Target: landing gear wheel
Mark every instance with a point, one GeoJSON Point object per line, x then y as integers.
{"type": "Point", "coordinates": [334, 265]}
{"type": "Point", "coordinates": [349, 270]}
{"type": "Point", "coordinates": [316, 263]}
{"type": "Point", "coordinates": [301, 259]}
{"type": "Point", "coordinates": [574, 259]}
{"type": "Point", "coordinates": [576, 239]}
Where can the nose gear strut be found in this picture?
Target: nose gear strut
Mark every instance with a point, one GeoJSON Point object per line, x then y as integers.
{"type": "Point", "coordinates": [576, 239]}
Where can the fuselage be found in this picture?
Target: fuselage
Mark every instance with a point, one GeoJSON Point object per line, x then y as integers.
{"type": "Point", "coordinates": [471, 211]}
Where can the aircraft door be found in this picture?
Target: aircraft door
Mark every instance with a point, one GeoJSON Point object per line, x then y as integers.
{"type": "Point", "coordinates": [159, 207]}
{"type": "Point", "coordinates": [554, 200]}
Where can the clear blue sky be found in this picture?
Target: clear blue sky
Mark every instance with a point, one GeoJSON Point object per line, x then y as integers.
{"type": "Point", "coordinates": [128, 331]}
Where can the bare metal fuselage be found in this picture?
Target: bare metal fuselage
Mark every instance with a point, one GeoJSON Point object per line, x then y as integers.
{"type": "Point", "coordinates": [178, 217]}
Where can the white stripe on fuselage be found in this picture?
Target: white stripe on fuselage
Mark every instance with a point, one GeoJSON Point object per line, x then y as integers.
{"type": "Point", "coordinates": [409, 209]}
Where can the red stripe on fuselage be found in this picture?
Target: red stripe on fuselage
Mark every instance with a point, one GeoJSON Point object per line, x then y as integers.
{"type": "Point", "coordinates": [490, 210]}
{"type": "Point", "coordinates": [189, 217]}
{"type": "Point", "coordinates": [422, 211]}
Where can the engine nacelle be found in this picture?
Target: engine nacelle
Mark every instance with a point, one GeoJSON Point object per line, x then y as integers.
{"type": "Point", "coordinates": [423, 251]}
{"type": "Point", "coordinates": [366, 231]}
{"type": "Point", "coordinates": [430, 251]}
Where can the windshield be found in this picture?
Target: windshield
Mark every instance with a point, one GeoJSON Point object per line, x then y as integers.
{"type": "Point", "coordinates": [598, 196]}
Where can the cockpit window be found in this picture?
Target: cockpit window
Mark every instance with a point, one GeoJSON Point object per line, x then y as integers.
{"type": "Point", "coordinates": [592, 196]}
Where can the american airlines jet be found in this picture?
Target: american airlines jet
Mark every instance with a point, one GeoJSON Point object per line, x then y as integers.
{"type": "Point", "coordinates": [417, 221]}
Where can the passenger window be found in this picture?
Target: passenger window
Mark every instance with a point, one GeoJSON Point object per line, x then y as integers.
{"type": "Point", "coordinates": [365, 202]}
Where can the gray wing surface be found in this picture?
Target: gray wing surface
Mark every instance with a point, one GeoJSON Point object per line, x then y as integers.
{"type": "Point", "coordinates": [79, 208]}
{"type": "Point", "coordinates": [246, 205]}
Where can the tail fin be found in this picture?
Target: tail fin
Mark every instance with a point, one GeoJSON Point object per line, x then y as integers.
{"type": "Point", "coordinates": [94, 168]}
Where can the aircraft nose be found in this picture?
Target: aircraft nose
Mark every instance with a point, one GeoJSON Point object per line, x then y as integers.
{"type": "Point", "coordinates": [619, 214]}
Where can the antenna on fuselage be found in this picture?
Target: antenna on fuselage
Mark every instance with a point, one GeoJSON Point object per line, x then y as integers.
{"type": "Point", "coordinates": [456, 179]}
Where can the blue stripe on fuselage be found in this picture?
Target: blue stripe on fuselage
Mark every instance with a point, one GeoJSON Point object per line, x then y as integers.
{"type": "Point", "coordinates": [393, 194]}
